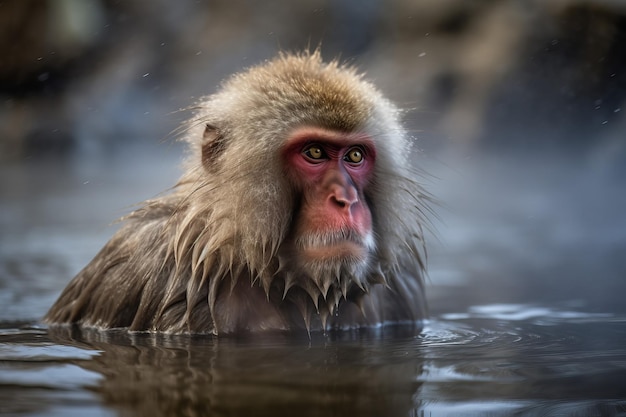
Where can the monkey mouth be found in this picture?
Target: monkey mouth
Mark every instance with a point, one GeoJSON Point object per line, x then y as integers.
{"type": "Point", "coordinates": [342, 244]}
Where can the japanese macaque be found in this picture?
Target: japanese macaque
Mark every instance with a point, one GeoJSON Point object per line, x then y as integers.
{"type": "Point", "coordinates": [298, 211]}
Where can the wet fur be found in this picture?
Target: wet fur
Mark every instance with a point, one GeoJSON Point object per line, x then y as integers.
{"type": "Point", "coordinates": [213, 255]}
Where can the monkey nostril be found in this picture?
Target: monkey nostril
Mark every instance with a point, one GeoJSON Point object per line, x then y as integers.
{"type": "Point", "coordinates": [342, 202]}
{"type": "Point", "coordinates": [342, 195]}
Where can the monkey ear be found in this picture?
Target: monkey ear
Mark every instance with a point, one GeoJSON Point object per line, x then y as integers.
{"type": "Point", "coordinates": [212, 145]}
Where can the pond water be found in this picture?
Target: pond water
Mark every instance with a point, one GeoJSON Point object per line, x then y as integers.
{"type": "Point", "coordinates": [526, 292]}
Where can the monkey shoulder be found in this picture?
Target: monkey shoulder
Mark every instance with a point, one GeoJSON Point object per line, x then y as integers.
{"type": "Point", "coordinates": [107, 292]}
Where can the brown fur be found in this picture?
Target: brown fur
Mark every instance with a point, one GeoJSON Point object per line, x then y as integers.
{"type": "Point", "coordinates": [212, 256]}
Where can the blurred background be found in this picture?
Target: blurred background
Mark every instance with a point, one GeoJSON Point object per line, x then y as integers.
{"type": "Point", "coordinates": [519, 108]}
{"type": "Point", "coordinates": [90, 76]}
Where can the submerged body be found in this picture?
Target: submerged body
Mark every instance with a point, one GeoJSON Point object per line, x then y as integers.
{"type": "Point", "coordinates": [298, 209]}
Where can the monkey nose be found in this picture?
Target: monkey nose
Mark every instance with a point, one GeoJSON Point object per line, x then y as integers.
{"type": "Point", "coordinates": [343, 199]}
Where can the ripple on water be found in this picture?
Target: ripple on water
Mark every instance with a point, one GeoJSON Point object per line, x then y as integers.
{"type": "Point", "coordinates": [526, 353]}
{"type": "Point", "coordinates": [492, 360]}
{"type": "Point", "coordinates": [521, 312]}
{"type": "Point", "coordinates": [40, 376]}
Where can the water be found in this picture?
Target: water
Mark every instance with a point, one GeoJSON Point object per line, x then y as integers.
{"type": "Point", "coordinates": [526, 290]}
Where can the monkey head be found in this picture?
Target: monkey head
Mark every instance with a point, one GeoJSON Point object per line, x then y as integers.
{"type": "Point", "coordinates": [309, 164]}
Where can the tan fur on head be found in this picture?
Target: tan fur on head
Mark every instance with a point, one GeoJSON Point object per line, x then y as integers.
{"type": "Point", "coordinates": [220, 237]}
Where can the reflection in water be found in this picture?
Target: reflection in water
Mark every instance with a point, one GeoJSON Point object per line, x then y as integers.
{"type": "Point", "coordinates": [160, 375]}
{"type": "Point", "coordinates": [564, 363]}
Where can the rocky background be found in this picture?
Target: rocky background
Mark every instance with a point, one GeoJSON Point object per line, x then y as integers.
{"type": "Point", "coordinates": [88, 77]}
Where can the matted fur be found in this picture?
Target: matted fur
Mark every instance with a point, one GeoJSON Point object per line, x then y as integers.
{"type": "Point", "coordinates": [214, 255]}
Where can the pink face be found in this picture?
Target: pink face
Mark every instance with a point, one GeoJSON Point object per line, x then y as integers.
{"type": "Point", "coordinates": [331, 170]}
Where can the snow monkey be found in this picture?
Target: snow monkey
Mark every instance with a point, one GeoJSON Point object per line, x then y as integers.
{"type": "Point", "coordinates": [298, 211]}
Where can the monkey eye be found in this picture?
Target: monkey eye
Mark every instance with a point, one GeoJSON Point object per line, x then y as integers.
{"type": "Point", "coordinates": [354, 156]}
{"type": "Point", "coordinates": [314, 152]}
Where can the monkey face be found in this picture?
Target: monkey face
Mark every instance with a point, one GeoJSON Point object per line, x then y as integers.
{"type": "Point", "coordinates": [331, 170]}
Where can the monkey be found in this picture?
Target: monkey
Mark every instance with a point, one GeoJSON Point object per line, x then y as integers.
{"type": "Point", "coordinates": [298, 210]}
